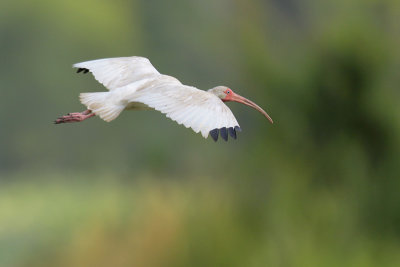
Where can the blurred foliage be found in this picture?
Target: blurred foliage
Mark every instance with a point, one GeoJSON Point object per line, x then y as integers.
{"type": "Point", "coordinates": [317, 188]}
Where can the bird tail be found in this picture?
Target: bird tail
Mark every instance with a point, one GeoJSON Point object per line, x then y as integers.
{"type": "Point", "coordinates": [101, 104]}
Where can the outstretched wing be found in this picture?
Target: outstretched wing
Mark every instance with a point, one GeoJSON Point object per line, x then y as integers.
{"type": "Point", "coordinates": [200, 110]}
{"type": "Point", "coordinates": [117, 72]}
{"type": "Point", "coordinates": [189, 106]}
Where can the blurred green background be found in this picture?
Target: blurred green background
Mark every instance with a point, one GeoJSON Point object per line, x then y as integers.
{"type": "Point", "coordinates": [320, 187]}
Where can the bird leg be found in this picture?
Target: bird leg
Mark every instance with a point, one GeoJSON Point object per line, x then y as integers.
{"type": "Point", "coordinates": [75, 117]}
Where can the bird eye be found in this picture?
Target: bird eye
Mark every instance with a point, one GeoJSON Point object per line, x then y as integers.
{"type": "Point", "coordinates": [228, 91]}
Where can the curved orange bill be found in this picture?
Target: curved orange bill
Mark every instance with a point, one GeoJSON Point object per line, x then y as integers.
{"type": "Point", "coordinates": [241, 99]}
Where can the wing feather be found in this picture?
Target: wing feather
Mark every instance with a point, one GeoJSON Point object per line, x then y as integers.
{"type": "Point", "coordinates": [118, 72]}
{"type": "Point", "coordinates": [200, 110]}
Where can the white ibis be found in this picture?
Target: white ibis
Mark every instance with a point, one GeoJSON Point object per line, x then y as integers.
{"type": "Point", "coordinates": [134, 84]}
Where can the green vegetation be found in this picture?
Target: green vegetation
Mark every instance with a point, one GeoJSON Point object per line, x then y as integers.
{"type": "Point", "coordinates": [103, 221]}
{"type": "Point", "coordinates": [320, 187]}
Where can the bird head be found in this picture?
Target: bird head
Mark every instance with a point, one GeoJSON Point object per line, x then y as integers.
{"type": "Point", "coordinates": [226, 94]}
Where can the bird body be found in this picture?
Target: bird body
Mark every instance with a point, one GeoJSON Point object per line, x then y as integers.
{"type": "Point", "coordinates": [134, 84]}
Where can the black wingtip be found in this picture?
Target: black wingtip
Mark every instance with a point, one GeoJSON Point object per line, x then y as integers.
{"type": "Point", "coordinates": [238, 129]}
{"type": "Point", "coordinates": [232, 132]}
{"type": "Point", "coordinates": [214, 134]}
{"type": "Point", "coordinates": [82, 69]}
{"type": "Point", "coordinates": [224, 133]}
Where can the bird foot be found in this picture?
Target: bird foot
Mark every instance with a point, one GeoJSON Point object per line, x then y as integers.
{"type": "Point", "coordinates": [74, 117]}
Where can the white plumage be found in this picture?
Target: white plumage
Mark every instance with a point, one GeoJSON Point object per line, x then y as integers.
{"type": "Point", "coordinates": [135, 84]}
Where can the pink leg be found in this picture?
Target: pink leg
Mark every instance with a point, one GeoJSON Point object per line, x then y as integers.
{"type": "Point", "coordinates": [75, 117]}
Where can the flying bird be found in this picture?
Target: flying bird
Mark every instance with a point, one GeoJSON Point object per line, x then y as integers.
{"type": "Point", "coordinates": [134, 84]}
